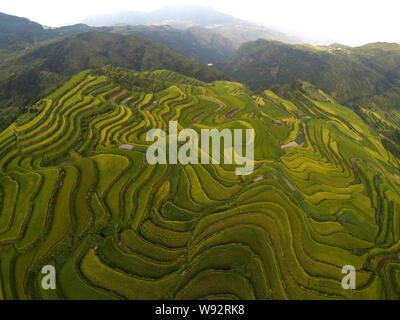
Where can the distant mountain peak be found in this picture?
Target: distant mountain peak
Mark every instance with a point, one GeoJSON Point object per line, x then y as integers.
{"type": "Point", "coordinates": [181, 16]}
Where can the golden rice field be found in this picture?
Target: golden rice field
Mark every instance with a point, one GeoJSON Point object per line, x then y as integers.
{"type": "Point", "coordinates": [77, 193]}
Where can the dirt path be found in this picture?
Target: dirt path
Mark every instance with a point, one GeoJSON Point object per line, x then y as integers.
{"type": "Point", "coordinates": [150, 106]}
{"type": "Point", "coordinates": [123, 103]}
{"type": "Point", "coordinates": [292, 144]}
{"type": "Point", "coordinates": [220, 105]}
{"type": "Point", "coordinates": [200, 117]}
{"type": "Point", "coordinates": [126, 147]}
{"type": "Point", "coordinates": [124, 246]}
{"type": "Point", "coordinates": [290, 185]}
{"type": "Point", "coordinates": [17, 141]}
{"type": "Point", "coordinates": [369, 163]}
{"type": "Point", "coordinates": [231, 114]}
{"type": "Point", "coordinates": [259, 178]}
{"type": "Point", "coordinates": [117, 95]}
{"type": "Point", "coordinates": [64, 163]}
{"type": "Point", "coordinates": [375, 166]}
{"type": "Point", "coordinates": [279, 124]}
{"type": "Point", "coordinates": [305, 129]}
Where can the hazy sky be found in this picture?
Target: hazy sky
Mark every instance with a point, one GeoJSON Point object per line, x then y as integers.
{"type": "Point", "coordinates": [352, 22]}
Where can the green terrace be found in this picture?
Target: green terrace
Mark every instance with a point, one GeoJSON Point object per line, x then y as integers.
{"type": "Point", "coordinates": [77, 193]}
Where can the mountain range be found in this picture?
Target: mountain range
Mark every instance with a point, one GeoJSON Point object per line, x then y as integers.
{"type": "Point", "coordinates": [178, 16]}
{"type": "Point", "coordinates": [201, 44]}
{"type": "Point", "coordinates": [185, 17]}
{"type": "Point", "coordinates": [36, 60]}
{"type": "Point", "coordinates": [80, 104]}
{"type": "Point", "coordinates": [350, 75]}
{"type": "Point", "coordinates": [41, 69]}
{"type": "Point", "coordinates": [18, 33]}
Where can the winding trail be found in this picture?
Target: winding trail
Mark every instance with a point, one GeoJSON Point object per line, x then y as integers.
{"type": "Point", "coordinates": [220, 105]}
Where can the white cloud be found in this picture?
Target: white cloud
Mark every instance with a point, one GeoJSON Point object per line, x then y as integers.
{"type": "Point", "coordinates": [352, 22]}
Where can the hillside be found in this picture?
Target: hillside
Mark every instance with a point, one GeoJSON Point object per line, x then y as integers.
{"type": "Point", "coordinates": [243, 32]}
{"type": "Point", "coordinates": [366, 77]}
{"type": "Point", "coordinates": [17, 34]}
{"type": "Point", "coordinates": [40, 70]}
{"type": "Point", "coordinates": [15, 29]}
{"type": "Point", "coordinates": [349, 74]}
{"type": "Point", "coordinates": [208, 45]}
{"type": "Point", "coordinates": [77, 193]}
{"type": "Point", "coordinates": [201, 44]}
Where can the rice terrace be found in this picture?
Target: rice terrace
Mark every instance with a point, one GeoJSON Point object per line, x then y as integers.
{"type": "Point", "coordinates": [77, 193]}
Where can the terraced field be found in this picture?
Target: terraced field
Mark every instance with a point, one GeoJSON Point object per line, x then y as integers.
{"type": "Point", "coordinates": [76, 192]}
